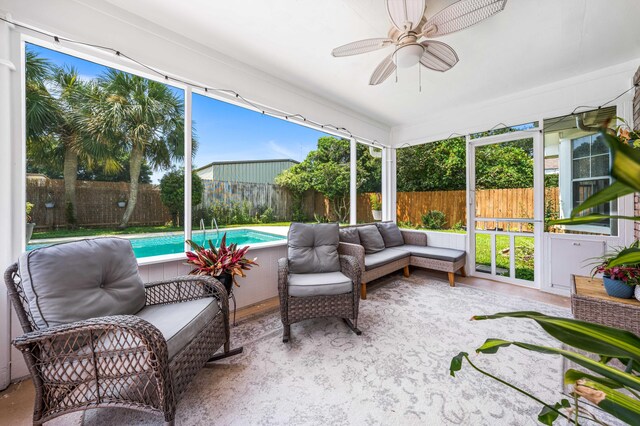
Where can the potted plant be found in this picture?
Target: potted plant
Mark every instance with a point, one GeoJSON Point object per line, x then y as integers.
{"type": "Point", "coordinates": [30, 224]}
{"type": "Point", "coordinates": [376, 206]}
{"type": "Point", "coordinates": [49, 202]}
{"type": "Point", "coordinates": [122, 201]}
{"type": "Point", "coordinates": [619, 280]}
{"type": "Point", "coordinates": [224, 263]}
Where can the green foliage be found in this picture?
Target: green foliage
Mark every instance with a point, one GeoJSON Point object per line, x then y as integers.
{"type": "Point", "coordinates": [598, 386]}
{"type": "Point", "coordinates": [225, 213]}
{"type": "Point", "coordinates": [441, 165]}
{"type": "Point", "coordinates": [172, 192]}
{"type": "Point", "coordinates": [434, 219]}
{"type": "Point", "coordinates": [433, 166]}
{"type": "Point", "coordinates": [551, 180]}
{"type": "Point", "coordinates": [374, 201]}
{"type": "Point", "coordinates": [27, 211]}
{"type": "Point", "coordinates": [267, 216]}
{"type": "Point", "coordinates": [327, 171]}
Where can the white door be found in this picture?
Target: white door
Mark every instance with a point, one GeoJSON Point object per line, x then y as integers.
{"type": "Point", "coordinates": [505, 216]}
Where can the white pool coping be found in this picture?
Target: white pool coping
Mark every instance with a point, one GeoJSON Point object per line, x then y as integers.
{"type": "Point", "coordinates": [163, 258]}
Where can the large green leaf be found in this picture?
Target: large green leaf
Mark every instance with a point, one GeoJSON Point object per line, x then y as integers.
{"type": "Point", "coordinates": [629, 256]}
{"type": "Point", "coordinates": [572, 376]}
{"type": "Point", "coordinates": [595, 338]}
{"type": "Point", "coordinates": [596, 217]}
{"type": "Point", "coordinates": [492, 346]}
{"type": "Point", "coordinates": [612, 192]}
{"type": "Point", "coordinates": [626, 162]}
{"type": "Point", "coordinates": [549, 414]}
{"type": "Point", "coordinates": [623, 407]}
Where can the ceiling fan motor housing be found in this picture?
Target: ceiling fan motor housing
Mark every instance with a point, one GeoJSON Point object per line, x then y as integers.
{"type": "Point", "coordinates": [408, 55]}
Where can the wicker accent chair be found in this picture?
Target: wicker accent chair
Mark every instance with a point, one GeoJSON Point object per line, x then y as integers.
{"type": "Point", "coordinates": [315, 281]}
{"type": "Point", "coordinates": [96, 336]}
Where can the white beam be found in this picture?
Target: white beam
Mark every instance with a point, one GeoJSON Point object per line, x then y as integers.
{"type": "Point", "coordinates": [353, 190]}
{"type": "Point", "coordinates": [187, 164]}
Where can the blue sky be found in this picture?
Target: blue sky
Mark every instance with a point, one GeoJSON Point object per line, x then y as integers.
{"type": "Point", "coordinates": [225, 132]}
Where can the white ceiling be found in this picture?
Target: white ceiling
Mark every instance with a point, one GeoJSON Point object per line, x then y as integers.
{"type": "Point", "coordinates": [531, 43]}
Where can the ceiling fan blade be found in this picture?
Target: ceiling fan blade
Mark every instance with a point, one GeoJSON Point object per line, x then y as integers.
{"type": "Point", "coordinates": [461, 15]}
{"type": "Point", "coordinates": [361, 46]}
{"type": "Point", "coordinates": [438, 56]}
{"type": "Point", "coordinates": [405, 15]}
{"type": "Point", "coordinates": [383, 71]}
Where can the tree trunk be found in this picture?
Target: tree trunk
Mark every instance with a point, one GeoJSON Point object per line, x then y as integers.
{"type": "Point", "coordinates": [70, 174]}
{"type": "Point", "coordinates": [135, 164]}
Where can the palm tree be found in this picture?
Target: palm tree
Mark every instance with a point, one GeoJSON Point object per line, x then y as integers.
{"type": "Point", "coordinates": [56, 101]}
{"type": "Point", "coordinates": [142, 115]}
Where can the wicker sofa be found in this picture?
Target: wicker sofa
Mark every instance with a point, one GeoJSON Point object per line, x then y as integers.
{"type": "Point", "coordinates": [96, 336]}
{"type": "Point", "coordinates": [395, 249]}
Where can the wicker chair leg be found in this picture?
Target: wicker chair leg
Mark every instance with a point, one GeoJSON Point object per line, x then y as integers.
{"type": "Point", "coordinates": [286, 333]}
{"type": "Point", "coordinates": [452, 280]}
{"type": "Point", "coordinates": [463, 273]}
{"type": "Point", "coordinates": [406, 272]}
{"type": "Point", "coordinates": [353, 327]}
{"type": "Point", "coordinates": [363, 291]}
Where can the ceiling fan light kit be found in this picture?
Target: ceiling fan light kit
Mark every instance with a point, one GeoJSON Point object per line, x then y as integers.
{"type": "Point", "coordinates": [410, 24]}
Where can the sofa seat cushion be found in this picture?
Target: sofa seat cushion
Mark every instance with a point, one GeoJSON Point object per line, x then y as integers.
{"type": "Point", "coordinates": [75, 281]}
{"type": "Point", "coordinates": [181, 322]}
{"type": "Point", "coordinates": [313, 248]}
{"type": "Point", "coordinates": [384, 257]}
{"type": "Point", "coordinates": [439, 253]}
{"type": "Point", "coordinates": [321, 284]}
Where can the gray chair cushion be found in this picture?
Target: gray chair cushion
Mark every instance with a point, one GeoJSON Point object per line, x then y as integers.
{"type": "Point", "coordinates": [313, 248]}
{"type": "Point", "coordinates": [438, 253]}
{"type": "Point", "coordinates": [390, 234]}
{"type": "Point", "coordinates": [324, 284]}
{"type": "Point", "coordinates": [381, 258]}
{"type": "Point", "coordinates": [370, 239]}
{"type": "Point", "coordinates": [84, 279]}
{"type": "Point", "coordinates": [349, 235]}
{"type": "Point", "coordinates": [181, 322]}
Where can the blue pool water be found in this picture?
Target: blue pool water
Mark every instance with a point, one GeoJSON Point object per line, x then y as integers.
{"type": "Point", "coordinates": [156, 245]}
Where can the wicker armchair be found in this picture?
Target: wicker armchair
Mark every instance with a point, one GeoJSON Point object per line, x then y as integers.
{"type": "Point", "coordinates": [316, 293]}
{"type": "Point", "coordinates": [120, 360]}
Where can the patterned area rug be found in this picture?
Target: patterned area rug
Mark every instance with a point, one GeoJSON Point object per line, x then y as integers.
{"type": "Point", "coordinates": [397, 372]}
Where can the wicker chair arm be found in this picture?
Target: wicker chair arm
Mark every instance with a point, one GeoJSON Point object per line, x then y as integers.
{"type": "Point", "coordinates": [416, 238]}
{"type": "Point", "coordinates": [128, 325]}
{"type": "Point", "coordinates": [283, 276]}
{"type": "Point", "coordinates": [355, 250]}
{"type": "Point", "coordinates": [350, 267]}
{"type": "Point", "coordinates": [185, 288]}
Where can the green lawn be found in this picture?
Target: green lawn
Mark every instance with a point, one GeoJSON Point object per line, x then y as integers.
{"type": "Point", "coordinates": [523, 252]}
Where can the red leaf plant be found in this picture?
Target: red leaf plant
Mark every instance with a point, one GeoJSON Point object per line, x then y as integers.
{"type": "Point", "coordinates": [214, 262]}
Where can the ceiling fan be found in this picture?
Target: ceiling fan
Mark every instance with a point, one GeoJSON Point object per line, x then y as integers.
{"type": "Point", "coordinates": [410, 25]}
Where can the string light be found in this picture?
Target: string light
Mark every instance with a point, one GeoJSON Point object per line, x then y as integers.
{"type": "Point", "coordinates": [268, 111]}
{"type": "Point", "coordinates": [275, 113]}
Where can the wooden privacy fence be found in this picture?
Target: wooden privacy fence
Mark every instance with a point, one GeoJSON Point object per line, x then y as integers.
{"type": "Point", "coordinates": [502, 203]}
{"type": "Point", "coordinates": [97, 203]}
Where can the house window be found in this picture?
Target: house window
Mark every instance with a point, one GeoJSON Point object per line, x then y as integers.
{"type": "Point", "coordinates": [590, 172]}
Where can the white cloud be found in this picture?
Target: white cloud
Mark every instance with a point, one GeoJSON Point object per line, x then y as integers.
{"type": "Point", "coordinates": [283, 150]}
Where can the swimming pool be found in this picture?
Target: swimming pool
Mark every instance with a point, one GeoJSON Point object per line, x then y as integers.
{"type": "Point", "coordinates": [155, 245]}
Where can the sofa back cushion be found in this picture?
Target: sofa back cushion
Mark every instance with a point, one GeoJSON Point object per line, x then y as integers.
{"type": "Point", "coordinates": [370, 239]}
{"type": "Point", "coordinates": [349, 235]}
{"type": "Point", "coordinates": [390, 234]}
{"type": "Point", "coordinates": [79, 280]}
{"type": "Point", "coordinates": [313, 248]}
